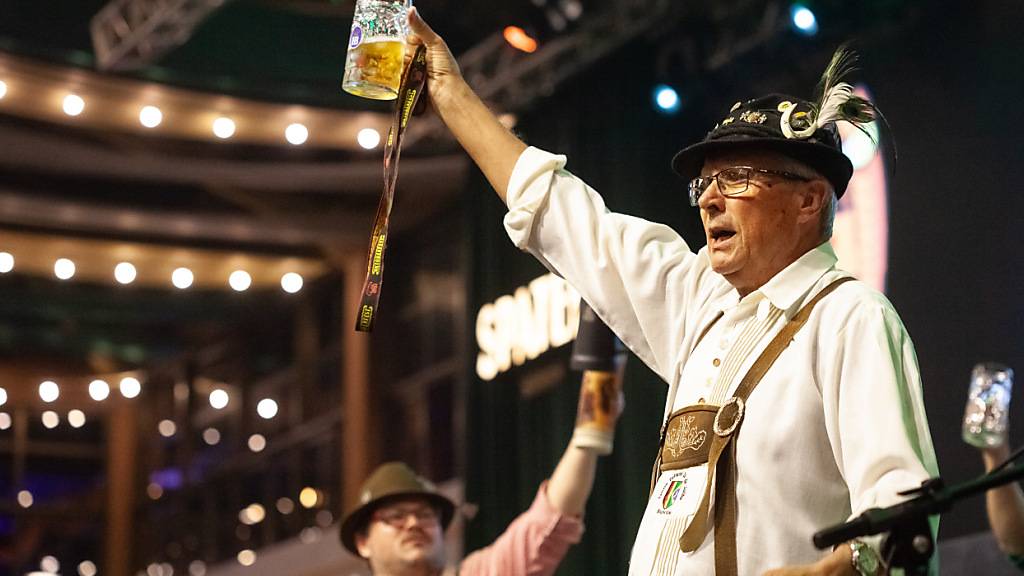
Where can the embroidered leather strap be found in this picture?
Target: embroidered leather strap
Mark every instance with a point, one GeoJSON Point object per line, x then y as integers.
{"type": "Point", "coordinates": [656, 469]}
{"type": "Point", "coordinates": [722, 453]}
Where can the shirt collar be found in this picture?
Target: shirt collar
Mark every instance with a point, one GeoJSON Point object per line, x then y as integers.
{"type": "Point", "coordinates": [793, 282]}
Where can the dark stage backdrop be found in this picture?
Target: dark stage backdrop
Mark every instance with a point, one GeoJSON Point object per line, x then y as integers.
{"type": "Point", "coordinates": [951, 88]}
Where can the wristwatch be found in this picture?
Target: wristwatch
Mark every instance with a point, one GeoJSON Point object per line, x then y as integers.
{"type": "Point", "coordinates": [863, 558]}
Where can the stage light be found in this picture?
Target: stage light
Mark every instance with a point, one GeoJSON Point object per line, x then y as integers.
{"type": "Point", "coordinates": [99, 390]}
{"type": "Point", "coordinates": [266, 408]}
{"type": "Point", "coordinates": [49, 391]}
{"type": "Point", "coordinates": [25, 499]}
{"type": "Point", "coordinates": [50, 419]}
{"type": "Point", "coordinates": [240, 280]}
{"type": "Point", "coordinates": [3, 89]}
{"type": "Point", "coordinates": [224, 128]}
{"type": "Point", "coordinates": [125, 273]}
{"type": "Point", "coordinates": [86, 568]}
{"type": "Point", "coordinates": [309, 497]}
{"type": "Point", "coordinates": [182, 278]}
{"type": "Point", "coordinates": [285, 505]}
{"type": "Point", "coordinates": [252, 514]}
{"type": "Point", "coordinates": [6, 262]}
{"type": "Point", "coordinates": [572, 9]}
{"type": "Point", "coordinates": [310, 534]}
{"type": "Point", "coordinates": [368, 138]}
{"type": "Point", "coordinates": [246, 557]}
{"type": "Point", "coordinates": [49, 564]}
{"type": "Point", "coordinates": [519, 39]}
{"type": "Point", "coordinates": [150, 116]}
{"type": "Point", "coordinates": [257, 442]}
{"type": "Point", "coordinates": [211, 436]}
{"type": "Point", "coordinates": [64, 269]}
{"type": "Point", "coordinates": [804, 19]}
{"type": "Point", "coordinates": [291, 282]}
{"type": "Point", "coordinates": [219, 399]}
{"type": "Point", "coordinates": [296, 134]}
{"type": "Point", "coordinates": [167, 428]}
{"type": "Point", "coordinates": [73, 105]}
{"type": "Point", "coordinates": [666, 99]}
{"type": "Point", "coordinates": [130, 387]}
{"type": "Point", "coordinates": [324, 518]}
{"type": "Point", "coordinates": [76, 418]}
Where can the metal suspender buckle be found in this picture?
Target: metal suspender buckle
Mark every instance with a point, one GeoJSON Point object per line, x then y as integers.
{"type": "Point", "coordinates": [729, 416]}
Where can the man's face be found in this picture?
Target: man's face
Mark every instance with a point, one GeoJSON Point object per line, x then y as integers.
{"type": "Point", "coordinates": [754, 235]}
{"type": "Point", "coordinates": [403, 537]}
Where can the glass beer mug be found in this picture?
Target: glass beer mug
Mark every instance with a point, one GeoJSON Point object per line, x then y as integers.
{"type": "Point", "coordinates": [987, 416]}
{"type": "Point", "coordinates": [376, 49]}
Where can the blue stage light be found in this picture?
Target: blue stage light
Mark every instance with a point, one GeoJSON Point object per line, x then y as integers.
{"type": "Point", "coordinates": [666, 99]}
{"type": "Point", "coordinates": [803, 19]}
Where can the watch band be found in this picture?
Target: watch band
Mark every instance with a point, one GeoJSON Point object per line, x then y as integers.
{"type": "Point", "coordinates": [863, 558]}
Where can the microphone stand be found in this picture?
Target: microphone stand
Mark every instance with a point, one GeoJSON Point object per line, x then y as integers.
{"type": "Point", "coordinates": [909, 544]}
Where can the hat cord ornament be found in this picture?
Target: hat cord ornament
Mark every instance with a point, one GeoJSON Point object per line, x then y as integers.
{"type": "Point", "coordinates": [835, 100]}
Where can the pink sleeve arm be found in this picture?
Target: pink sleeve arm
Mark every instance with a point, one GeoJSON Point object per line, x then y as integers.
{"type": "Point", "coordinates": [532, 545]}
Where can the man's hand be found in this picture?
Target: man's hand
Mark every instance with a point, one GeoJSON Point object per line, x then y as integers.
{"type": "Point", "coordinates": [838, 563]}
{"type": "Point", "coordinates": [442, 68]}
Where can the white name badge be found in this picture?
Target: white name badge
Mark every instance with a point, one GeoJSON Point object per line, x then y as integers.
{"type": "Point", "coordinates": [677, 493]}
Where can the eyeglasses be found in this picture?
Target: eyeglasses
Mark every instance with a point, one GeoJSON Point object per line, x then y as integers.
{"type": "Point", "coordinates": [397, 517]}
{"type": "Point", "coordinates": [734, 180]}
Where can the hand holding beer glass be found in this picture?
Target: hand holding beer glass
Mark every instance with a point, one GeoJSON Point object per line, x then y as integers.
{"type": "Point", "coordinates": [376, 49]}
{"type": "Point", "coordinates": [987, 414]}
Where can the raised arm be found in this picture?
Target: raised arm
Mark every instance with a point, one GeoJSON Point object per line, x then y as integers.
{"type": "Point", "coordinates": [493, 148]}
{"type": "Point", "coordinates": [1005, 506]}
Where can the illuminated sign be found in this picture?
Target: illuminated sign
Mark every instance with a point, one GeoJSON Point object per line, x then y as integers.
{"type": "Point", "coordinates": [535, 318]}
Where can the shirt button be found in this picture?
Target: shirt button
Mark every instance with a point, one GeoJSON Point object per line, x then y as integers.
{"type": "Point", "coordinates": [716, 362]}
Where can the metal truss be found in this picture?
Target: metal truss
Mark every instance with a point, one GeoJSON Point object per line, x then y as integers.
{"type": "Point", "coordinates": [512, 81]}
{"type": "Point", "coordinates": [128, 34]}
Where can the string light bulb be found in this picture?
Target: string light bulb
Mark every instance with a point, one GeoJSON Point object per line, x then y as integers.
{"type": "Point", "coordinates": [64, 269]}
{"type": "Point", "coordinates": [130, 387]}
{"type": "Point", "coordinates": [296, 134]}
{"type": "Point", "coordinates": [3, 89]}
{"type": "Point", "coordinates": [125, 273]}
{"type": "Point", "coordinates": [368, 138]}
{"type": "Point", "coordinates": [240, 280]}
{"type": "Point", "coordinates": [150, 116]}
{"type": "Point", "coordinates": [182, 278]}
{"type": "Point", "coordinates": [73, 105]}
{"type": "Point", "coordinates": [223, 127]}
{"type": "Point", "coordinates": [6, 262]}
{"type": "Point", "coordinates": [49, 391]}
{"type": "Point", "coordinates": [291, 282]}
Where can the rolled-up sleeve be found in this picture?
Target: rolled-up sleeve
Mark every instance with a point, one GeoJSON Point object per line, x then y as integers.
{"type": "Point", "coordinates": [534, 544]}
{"type": "Point", "coordinates": [640, 277]}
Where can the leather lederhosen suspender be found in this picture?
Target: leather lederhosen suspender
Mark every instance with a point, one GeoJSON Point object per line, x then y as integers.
{"type": "Point", "coordinates": [704, 433]}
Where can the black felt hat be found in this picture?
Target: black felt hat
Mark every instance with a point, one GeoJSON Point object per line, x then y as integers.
{"type": "Point", "coordinates": [800, 129]}
{"type": "Point", "coordinates": [758, 124]}
{"type": "Point", "coordinates": [391, 481]}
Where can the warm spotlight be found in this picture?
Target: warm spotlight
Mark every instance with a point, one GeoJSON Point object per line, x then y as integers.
{"type": "Point", "coordinates": [519, 39]}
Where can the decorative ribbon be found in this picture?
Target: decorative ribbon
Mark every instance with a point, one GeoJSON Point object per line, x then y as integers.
{"type": "Point", "coordinates": [413, 80]}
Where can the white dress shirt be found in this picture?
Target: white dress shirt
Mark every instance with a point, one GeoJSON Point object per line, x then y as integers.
{"type": "Point", "coordinates": [836, 426]}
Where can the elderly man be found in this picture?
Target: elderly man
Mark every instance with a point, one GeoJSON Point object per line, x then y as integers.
{"type": "Point", "coordinates": [757, 454]}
